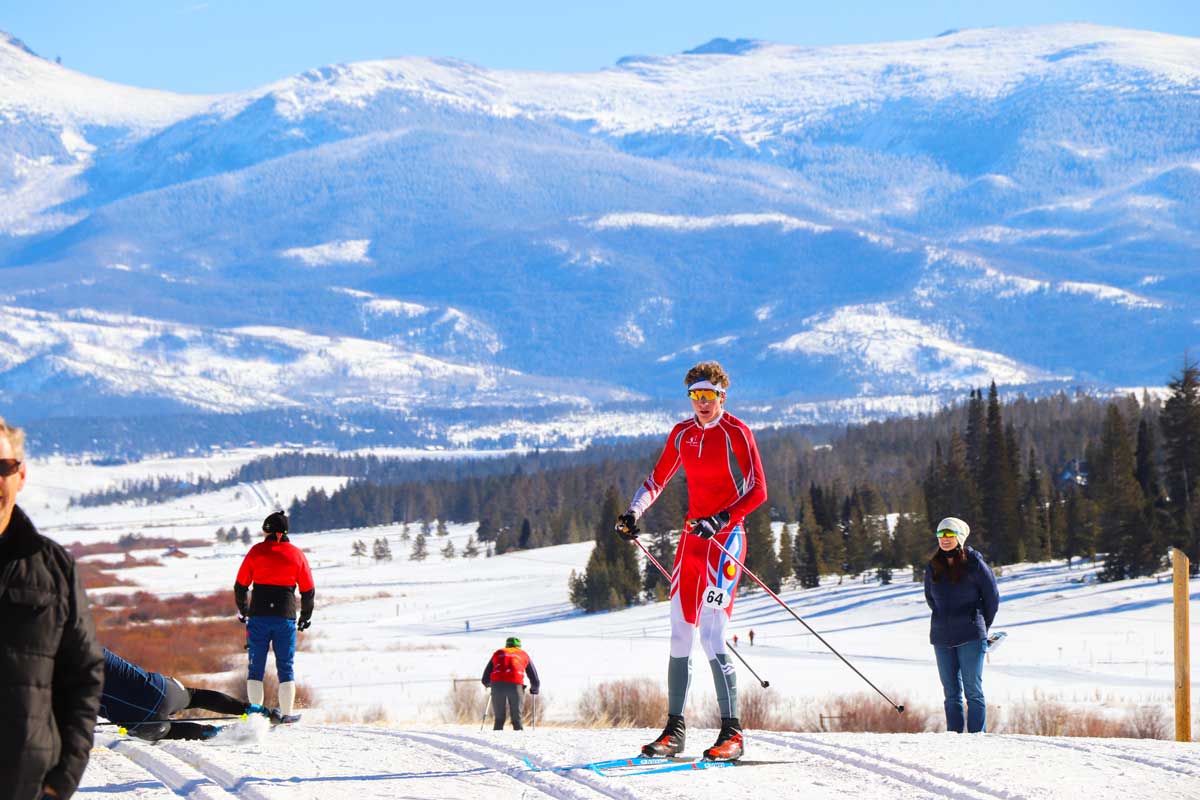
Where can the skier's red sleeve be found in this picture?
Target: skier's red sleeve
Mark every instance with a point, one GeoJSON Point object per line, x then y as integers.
{"type": "Point", "coordinates": [754, 489]}
{"type": "Point", "coordinates": [304, 578]}
{"type": "Point", "coordinates": [666, 467]}
{"type": "Point", "coordinates": [245, 575]}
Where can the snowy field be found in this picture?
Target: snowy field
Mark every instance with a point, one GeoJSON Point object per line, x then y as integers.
{"type": "Point", "coordinates": [388, 639]}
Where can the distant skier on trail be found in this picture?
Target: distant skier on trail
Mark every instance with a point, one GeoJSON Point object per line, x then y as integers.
{"type": "Point", "coordinates": [142, 702]}
{"type": "Point", "coordinates": [961, 592]}
{"type": "Point", "coordinates": [725, 482]}
{"type": "Point", "coordinates": [275, 567]}
{"type": "Point", "coordinates": [504, 674]}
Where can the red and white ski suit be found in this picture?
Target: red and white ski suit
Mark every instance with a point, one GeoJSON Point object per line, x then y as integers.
{"type": "Point", "coordinates": [724, 473]}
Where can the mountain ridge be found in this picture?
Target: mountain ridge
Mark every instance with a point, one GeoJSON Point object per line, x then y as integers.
{"type": "Point", "coordinates": [857, 221]}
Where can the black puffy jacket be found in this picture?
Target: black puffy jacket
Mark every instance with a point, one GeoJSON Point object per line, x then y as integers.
{"type": "Point", "coordinates": [51, 669]}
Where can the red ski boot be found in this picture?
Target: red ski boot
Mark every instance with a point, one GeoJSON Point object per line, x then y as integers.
{"type": "Point", "coordinates": [670, 742]}
{"type": "Point", "coordinates": [728, 746]}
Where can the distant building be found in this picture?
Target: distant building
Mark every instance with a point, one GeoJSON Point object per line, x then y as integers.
{"type": "Point", "coordinates": [1073, 475]}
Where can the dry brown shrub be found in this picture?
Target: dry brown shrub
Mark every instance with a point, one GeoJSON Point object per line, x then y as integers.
{"type": "Point", "coordinates": [79, 549]}
{"type": "Point", "coordinates": [464, 702]}
{"type": "Point", "coordinates": [629, 703]}
{"type": "Point", "coordinates": [1093, 724]}
{"type": "Point", "coordinates": [1148, 722]}
{"type": "Point", "coordinates": [867, 713]}
{"type": "Point", "coordinates": [130, 561]}
{"type": "Point", "coordinates": [93, 577]}
{"type": "Point", "coordinates": [306, 696]}
{"type": "Point", "coordinates": [1039, 717]}
{"type": "Point", "coordinates": [764, 710]}
{"type": "Point", "coordinates": [209, 645]}
{"type": "Point", "coordinates": [146, 607]}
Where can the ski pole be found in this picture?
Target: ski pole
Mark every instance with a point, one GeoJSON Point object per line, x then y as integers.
{"type": "Point", "coordinates": [761, 682]}
{"type": "Point", "coordinates": [654, 561]}
{"type": "Point", "coordinates": [193, 719]}
{"type": "Point", "coordinates": [786, 607]}
{"type": "Point", "coordinates": [486, 703]}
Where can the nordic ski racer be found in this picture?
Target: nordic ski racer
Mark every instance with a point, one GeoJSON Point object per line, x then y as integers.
{"type": "Point", "coordinates": [275, 567]}
{"type": "Point", "coordinates": [725, 481]}
{"type": "Point", "coordinates": [142, 702]}
{"type": "Point", "coordinates": [504, 674]}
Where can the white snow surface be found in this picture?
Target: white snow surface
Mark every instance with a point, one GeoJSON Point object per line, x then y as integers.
{"type": "Point", "coordinates": [389, 638]}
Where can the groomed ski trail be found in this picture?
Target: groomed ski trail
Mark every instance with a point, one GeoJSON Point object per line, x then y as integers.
{"type": "Point", "coordinates": [176, 774]}
{"type": "Point", "coordinates": [509, 762]}
{"type": "Point", "coordinates": [922, 776]}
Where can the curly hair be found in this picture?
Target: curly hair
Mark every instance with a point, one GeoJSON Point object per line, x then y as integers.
{"type": "Point", "coordinates": [16, 438]}
{"type": "Point", "coordinates": [707, 371]}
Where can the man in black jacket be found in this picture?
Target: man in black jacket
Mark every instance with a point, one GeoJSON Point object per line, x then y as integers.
{"type": "Point", "coordinates": [51, 669]}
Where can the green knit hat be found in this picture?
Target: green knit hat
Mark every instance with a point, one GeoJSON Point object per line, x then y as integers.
{"type": "Point", "coordinates": [512, 641]}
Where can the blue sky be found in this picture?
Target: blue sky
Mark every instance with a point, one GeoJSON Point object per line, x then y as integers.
{"type": "Point", "coordinates": [226, 45]}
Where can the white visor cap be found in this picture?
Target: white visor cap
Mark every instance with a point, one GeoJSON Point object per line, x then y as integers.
{"type": "Point", "coordinates": [961, 529]}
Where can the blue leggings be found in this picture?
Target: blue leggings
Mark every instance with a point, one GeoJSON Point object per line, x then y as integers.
{"type": "Point", "coordinates": [272, 632]}
{"type": "Point", "coordinates": [961, 671]}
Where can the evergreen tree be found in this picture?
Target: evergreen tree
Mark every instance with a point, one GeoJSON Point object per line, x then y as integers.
{"type": "Point", "coordinates": [471, 548]}
{"type": "Point", "coordinates": [405, 533]}
{"type": "Point", "coordinates": [612, 577]}
{"type": "Point", "coordinates": [426, 526]}
{"type": "Point", "coordinates": [358, 549]}
{"type": "Point", "coordinates": [1180, 422]}
{"type": "Point", "coordinates": [654, 585]}
{"type": "Point", "coordinates": [442, 530]}
{"type": "Point", "coordinates": [861, 537]}
{"type": "Point", "coordinates": [523, 539]}
{"type": "Point", "coordinates": [786, 569]}
{"type": "Point", "coordinates": [1000, 516]}
{"type": "Point", "coordinates": [1123, 530]}
{"type": "Point", "coordinates": [220, 534]}
{"type": "Point", "coordinates": [448, 550]}
{"type": "Point", "coordinates": [808, 551]}
{"type": "Point", "coordinates": [1035, 523]}
{"type": "Point", "coordinates": [382, 551]}
{"type": "Point", "coordinates": [760, 555]}
{"type": "Point", "coordinates": [1079, 538]}
{"type": "Point", "coordinates": [246, 539]}
{"type": "Point", "coordinates": [420, 550]}
{"type": "Point", "coordinates": [976, 439]}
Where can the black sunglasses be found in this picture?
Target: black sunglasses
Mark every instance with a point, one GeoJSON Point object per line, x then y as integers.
{"type": "Point", "coordinates": [8, 466]}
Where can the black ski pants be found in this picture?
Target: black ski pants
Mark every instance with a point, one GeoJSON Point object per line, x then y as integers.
{"type": "Point", "coordinates": [506, 700]}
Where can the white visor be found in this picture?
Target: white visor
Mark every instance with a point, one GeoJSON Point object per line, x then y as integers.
{"type": "Point", "coordinates": [705, 384]}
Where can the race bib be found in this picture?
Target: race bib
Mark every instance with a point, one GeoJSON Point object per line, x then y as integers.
{"type": "Point", "coordinates": [716, 597]}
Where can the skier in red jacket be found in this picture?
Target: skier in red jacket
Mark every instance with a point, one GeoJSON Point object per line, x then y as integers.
{"type": "Point", "coordinates": [725, 482]}
{"type": "Point", "coordinates": [275, 567]}
{"type": "Point", "coordinates": [504, 674]}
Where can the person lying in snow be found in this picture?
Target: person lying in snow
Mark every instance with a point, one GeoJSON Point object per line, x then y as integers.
{"type": "Point", "coordinates": [142, 702]}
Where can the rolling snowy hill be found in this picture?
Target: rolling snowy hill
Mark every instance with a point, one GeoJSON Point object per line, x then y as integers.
{"type": "Point", "coordinates": [870, 222]}
{"type": "Point", "coordinates": [388, 640]}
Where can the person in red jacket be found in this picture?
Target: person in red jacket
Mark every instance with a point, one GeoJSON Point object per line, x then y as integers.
{"type": "Point", "coordinates": [275, 567]}
{"type": "Point", "coordinates": [505, 674]}
{"type": "Point", "coordinates": [725, 482]}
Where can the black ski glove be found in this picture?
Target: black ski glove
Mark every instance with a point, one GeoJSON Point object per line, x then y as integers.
{"type": "Point", "coordinates": [627, 527]}
{"type": "Point", "coordinates": [303, 624]}
{"type": "Point", "coordinates": [707, 527]}
{"type": "Point", "coordinates": [242, 618]}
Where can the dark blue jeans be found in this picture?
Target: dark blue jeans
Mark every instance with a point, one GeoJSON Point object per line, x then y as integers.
{"type": "Point", "coordinates": [961, 670]}
{"type": "Point", "coordinates": [272, 632]}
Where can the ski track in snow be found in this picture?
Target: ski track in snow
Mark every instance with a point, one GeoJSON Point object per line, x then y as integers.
{"type": "Point", "coordinates": [552, 784]}
{"type": "Point", "coordinates": [918, 776]}
{"type": "Point", "coordinates": [1180, 765]}
{"type": "Point", "coordinates": [176, 774]}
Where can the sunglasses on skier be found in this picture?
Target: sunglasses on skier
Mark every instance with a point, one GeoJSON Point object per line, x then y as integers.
{"type": "Point", "coordinates": [8, 466]}
{"type": "Point", "coordinates": [946, 533]}
{"type": "Point", "coordinates": [704, 395]}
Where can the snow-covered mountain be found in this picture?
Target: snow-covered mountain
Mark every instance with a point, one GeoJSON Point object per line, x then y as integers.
{"type": "Point", "coordinates": [838, 224]}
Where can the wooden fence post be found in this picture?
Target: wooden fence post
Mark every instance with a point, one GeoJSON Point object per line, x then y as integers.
{"type": "Point", "coordinates": [1183, 678]}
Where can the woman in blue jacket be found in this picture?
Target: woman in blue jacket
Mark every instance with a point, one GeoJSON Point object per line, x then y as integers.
{"type": "Point", "coordinates": [961, 591]}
